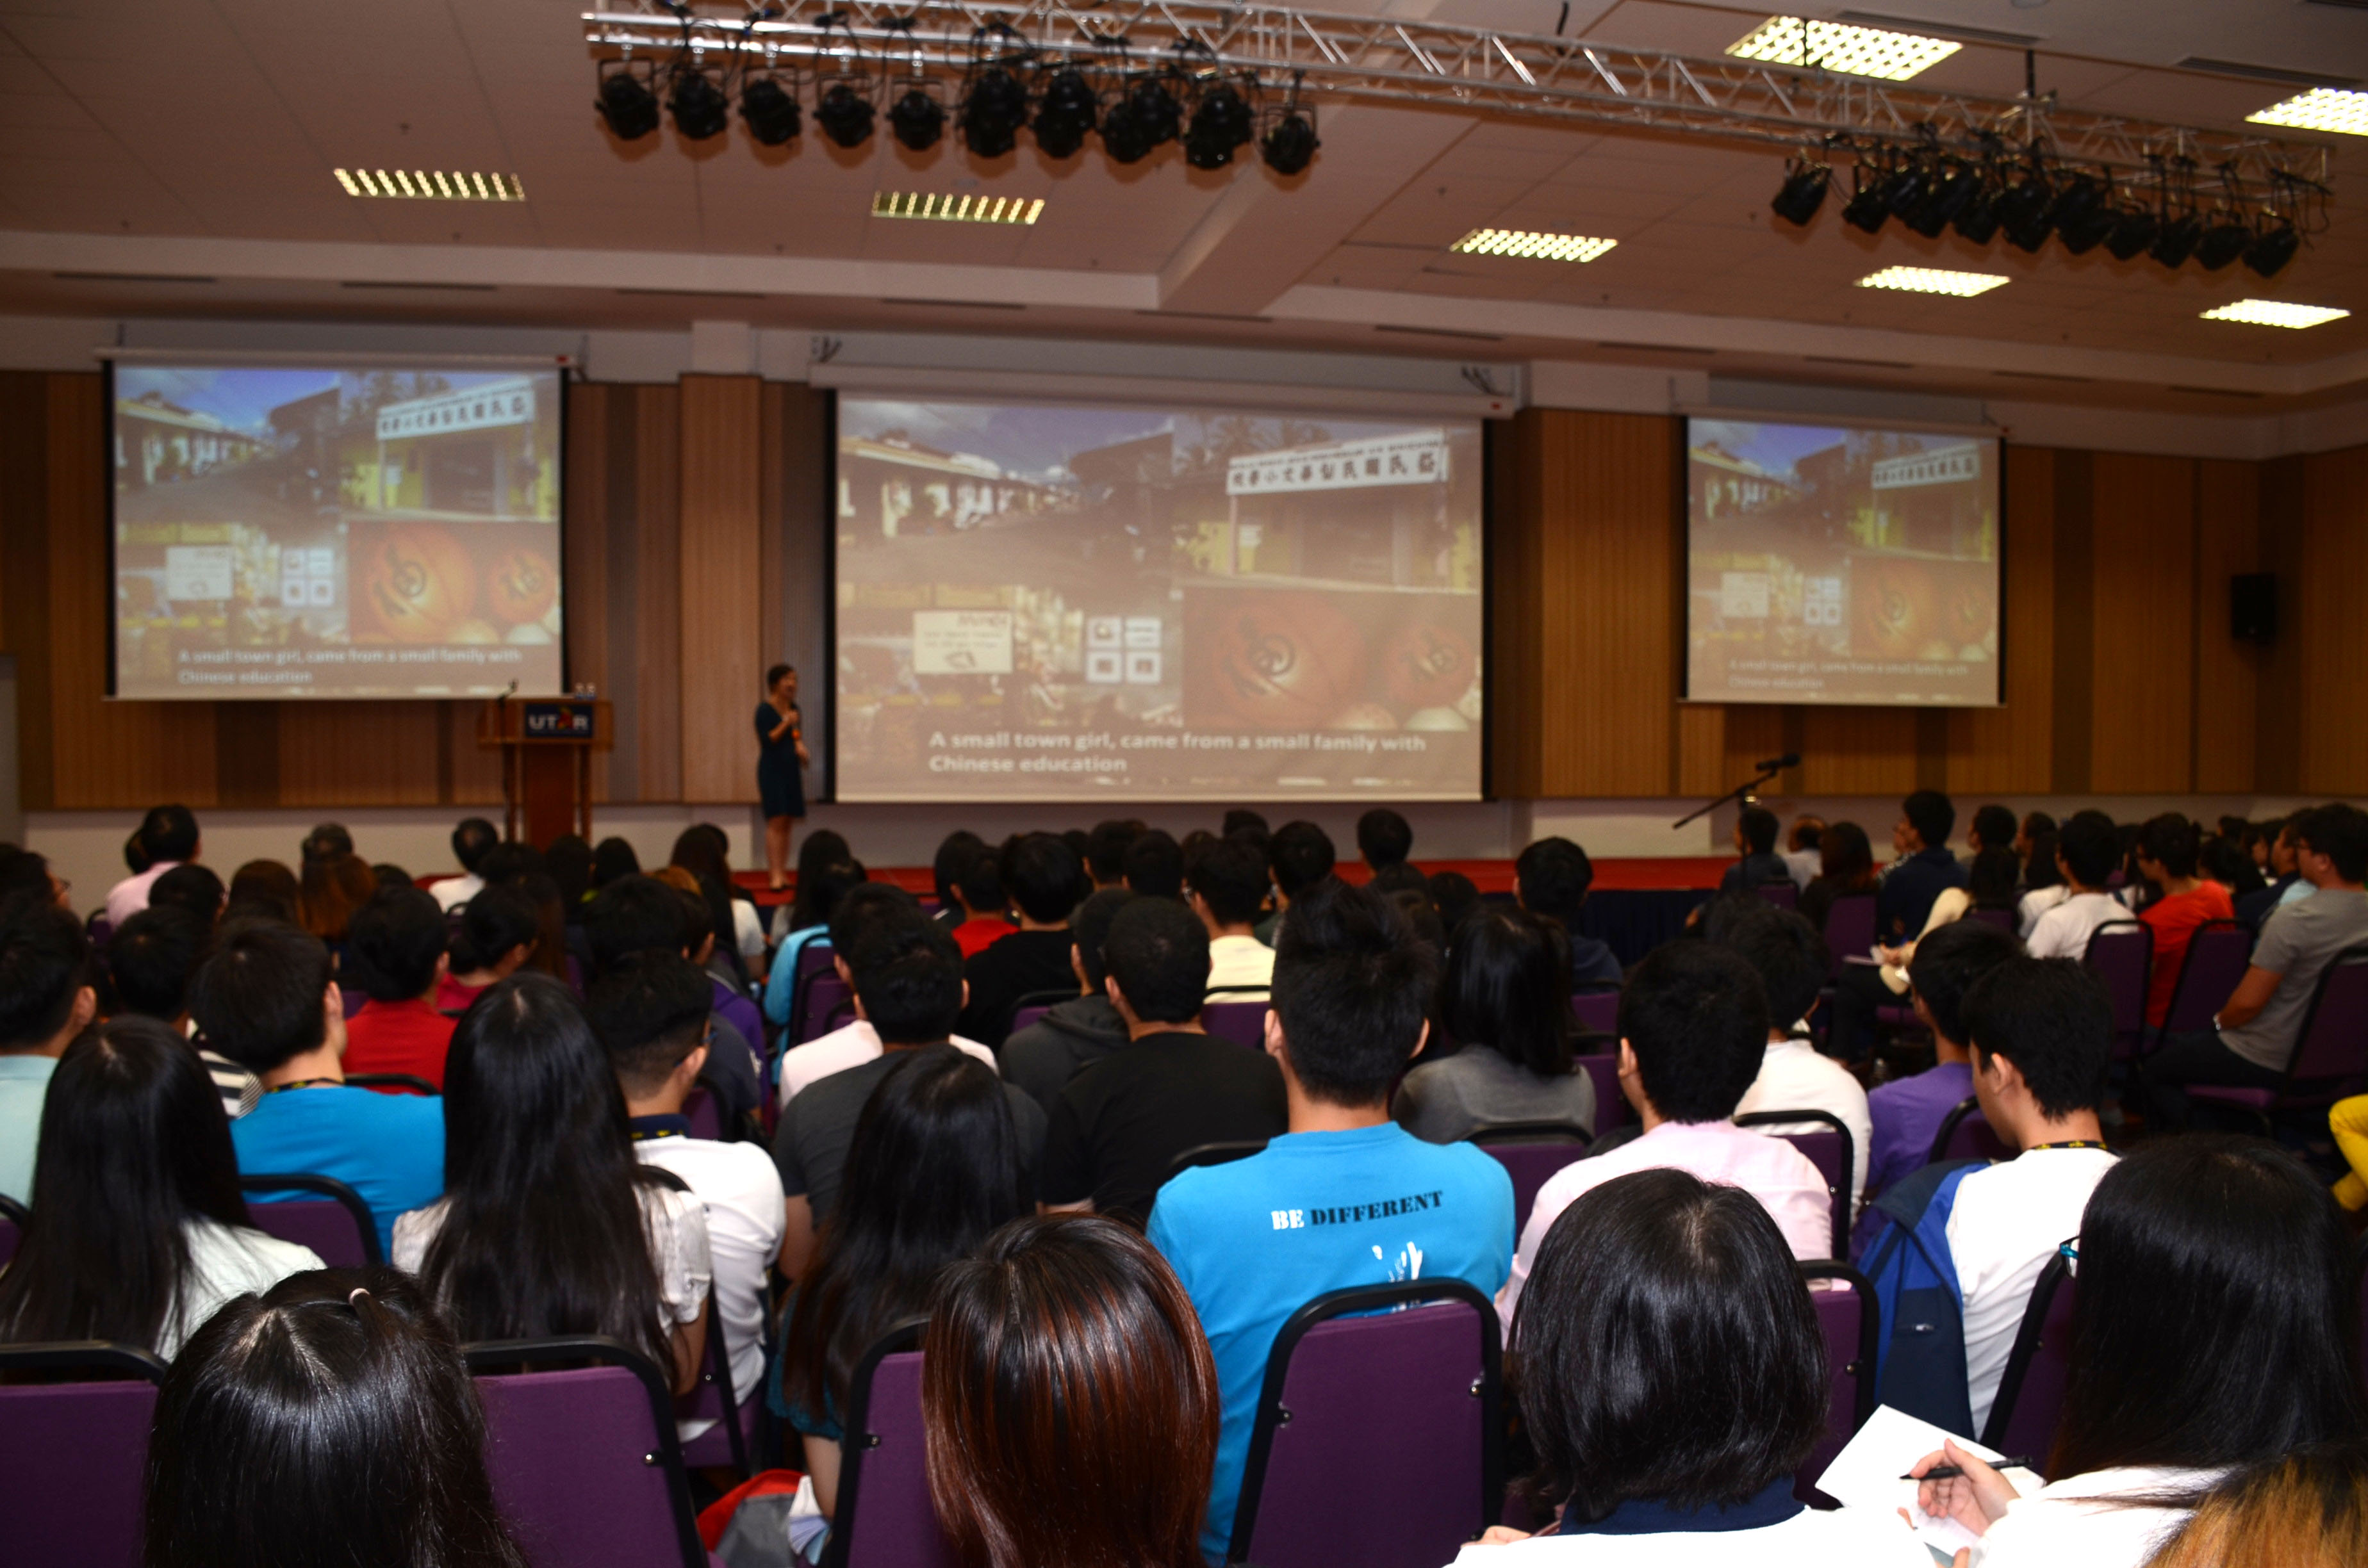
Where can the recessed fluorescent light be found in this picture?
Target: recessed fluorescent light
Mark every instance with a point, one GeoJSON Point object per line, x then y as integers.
{"type": "Point", "coordinates": [1837, 46]}
{"type": "Point", "coordinates": [1531, 245]}
{"type": "Point", "coordinates": [958, 209]}
{"type": "Point", "coordinates": [432, 185]}
{"type": "Point", "coordinates": [2273, 312]}
{"type": "Point", "coordinates": [2321, 109]}
{"type": "Point", "coordinates": [1933, 281]}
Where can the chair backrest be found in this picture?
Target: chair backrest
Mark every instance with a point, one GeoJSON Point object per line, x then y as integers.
{"type": "Point", "coordinates": [1023, 1017]}
{"type": "Point", "coordinates": [13, 1220]}
{"type": "Point", "coordinates": [1966, 1135]}
{"type": "Point", "coordinates": [2031, 1390]}
{"type": "Point", "coordinates": [72, 1454]}
{"type": "Point", "coordinates": [821, 1000]}
{"type": "Point", "coordinates": [1377, 1439]}
{"type": "Point", "coordinates": [2218, 954]}
{"type": "Point", "coordinates": [1531, 1153]}
{"type": "Point", "coordinates": [2121, 953]}
{"type": "Point", "coordinates": [706, 1120]}
{"type": "Point", "coordinates": [1244, 1023]}
{"type": "Point", "coordinates": [1783, 892]}
{"type": "Point", "coordinates": [1850, 1320]}
{"type": "Point", "coordinates": [2001, 918]}
{"type": "Point", "coordinates": [1207, 1155]}
{"type": "Point", "coordinates": [1598, 1009]}
{"type": "Point", "coordinates": [584, 1460]}
{"type": "Point", "coordinates": [331, 1219]}
{"type": "Point", "coordinates": [1850, 927]}
{"type": "Point", "coordinates": [884, 1518]}
{"type": "Point", "coordinates": [2334, 1038]}
{"type": "Point", "coordinates": [1610, 1105]}
{"type": "Point", "coordinates": [1821, 1136]}
{"type": "Point", "coordinates": [393, 1082]}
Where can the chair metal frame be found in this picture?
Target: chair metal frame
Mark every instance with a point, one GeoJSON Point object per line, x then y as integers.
{"type": "Point", "coordinates": [14, 1211]}
{"type": "Point", "coordinates": [1969, 1106]}
{"type": "Point", "coordinates": [329, 1188]}
{"type": "Point", "coordinates": [1530, 1133]}
{"type": "Point", "coordinates": [98, 1355]}
{"type": "Point", "coordinates": [1838, 1199]}
{"type": "Point", "coordinates": [2283, 1098]}
{"type": "Point", "coordinates": [2027, 1338]}
{"type": "Point", "coordinates": [1222, 1153]}
{"type": "Point", "coordinates": [1870, 1332]}
{"type": "Point", "coordinates": [715, 1362]}
{"type": "Point", "coordinates": [409, 1083]}
{"type": "Point", "coordinates": [902, 1336]}
{"type": "Point", "coordinates": [2130, 1043]}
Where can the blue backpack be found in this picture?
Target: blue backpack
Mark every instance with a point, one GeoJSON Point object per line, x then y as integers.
{"type": "Point", "coordinates": [1920, 1349]}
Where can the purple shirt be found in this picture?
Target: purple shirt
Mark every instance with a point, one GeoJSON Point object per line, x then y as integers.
{"type": "Point", "coordinates": [1908, 1116]}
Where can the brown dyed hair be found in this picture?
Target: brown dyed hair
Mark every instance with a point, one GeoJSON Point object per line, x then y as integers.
{"type": "Point", "coordinates": [333, 890]}
{"type": "Point", "coordinates": [1070, 1402]}
{"type": "Point", "coordinates": [2304, 1509]}
{"type": "Point", "coordinates": [267, 887]}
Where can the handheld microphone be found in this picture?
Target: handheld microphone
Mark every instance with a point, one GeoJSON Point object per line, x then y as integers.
{"type": "Point", "coordinates": [1789, 759]}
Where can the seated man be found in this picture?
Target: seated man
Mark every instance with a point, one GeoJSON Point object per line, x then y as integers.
{"type": "Point", "coordinates": [45, 1001]}
{"type": "Point", "coordinates": [2286, 885]}
{"type": "Point", "coordinates": [1119, 1124]}
{"type": "Point", "coordinates": [1384, 838]}
{"type": "Point", "coordinates": [151, 962]}
{"type": "Point", "coordinates": [1225, 881]}
{"type": "Point", "coordinates": [1041, 874]}
{"type": "Point", "coordinates": [1694, 1032]}
{"type": "Point", "coordinates": [1924, 869]}
{"type": "Point", "coordinates": [266, 1000]}
{"type": "Point", "coordinates": [1792, 961]}
{"type": "Point", "coordinates": [1155, 865]}
{"type": "Point", "coordinates": [1551, 877]}
{"type": "Point", "coordinates": [1907, 1113]}
{"type": "Point", "coordinates": [1074, 1034]}
{"type": "Point", "coordinates": [1993, 827]}
{"type": "Point", "coordinates": [1802, 855]}
{"type": "Point", "coordinates": [395, 950]}
{"type": "Point", "coordinates": [470, 839]}
{"type": "Point", "coordinates": [167, 836]}
{"type": "Point", "coordinates": [2088, 849]}
{"type": "Point", "coordinates": [1755, 840]}
{"type": "Point", "coordinates": [1301, 858]}
{"type": "Point", "coordinates": [1348, 1197]}
{"type": "Point", "coordinates": [855, 1042]}
{"type": "Point", "coordinates": [978, 890]}
{"type": "Point", "coordinates": [638, 914]}
{"type": "Point", "coordinates": [651, 1014]}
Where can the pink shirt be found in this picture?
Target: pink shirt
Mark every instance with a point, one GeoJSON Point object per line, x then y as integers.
{"type": "Point", "coordinates": [130, 896]}
{"type": "Point", "coordinates": [1769, 1169]}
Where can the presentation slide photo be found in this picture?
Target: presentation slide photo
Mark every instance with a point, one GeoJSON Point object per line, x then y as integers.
{"type": "Point", "coordinates": [335, 532]}
{"type": "Point", "coordinates": [1833, 564]}
{"type": "Point", "coordinates": [1043, 603]}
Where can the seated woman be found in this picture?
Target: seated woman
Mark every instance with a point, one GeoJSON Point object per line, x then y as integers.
{"type": "Point", "coordinates": [498, 933]}
{"type": "Point", "coordinates": [2217, 1323]}
{"type": "Point", "coordinates": [1989, 885]}
{"type": "Point", "coordinates": [1845, 866]}
{"type": "Point", "coordinates": [1668, 1367]}
{"type": "Point", "coordinates": [2306, 1509]}
{"type": "Point", "coordinates": [1505, 998]}
{"type": "Point", "coordinates": [548, 1224]}
{"type": "Point", "coordinates": [1069, 1401]}
{"type": "Point", "coordinates": [329, 1420]}
{"type": "Point", "coordinates": [138, 1231]}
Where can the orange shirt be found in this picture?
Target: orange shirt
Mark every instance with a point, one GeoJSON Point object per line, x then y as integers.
{"type": "Point", "coordinates": [399, 1037]}
{"type": "Point", "coordinates": [2174, 920]}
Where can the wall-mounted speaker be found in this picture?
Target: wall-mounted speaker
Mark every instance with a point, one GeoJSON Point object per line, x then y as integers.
{"type": "Point", "coordinates": [2253, 607]}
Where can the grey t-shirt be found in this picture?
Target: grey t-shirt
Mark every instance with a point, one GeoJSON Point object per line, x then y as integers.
{"type": "Point", "coordinates": [1442, 1102]}
{"type": "Point", "coordinates": [2296, 943]}
{"type": "Point", "coordinates": [811, 1141]}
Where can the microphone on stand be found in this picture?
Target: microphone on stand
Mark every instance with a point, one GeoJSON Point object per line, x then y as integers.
{"type": "Point", "coordinates": [1774, 764]}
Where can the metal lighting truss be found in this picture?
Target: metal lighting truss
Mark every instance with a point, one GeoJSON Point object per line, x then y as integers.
{"type": "Point", "coordinates": [1475, 70]}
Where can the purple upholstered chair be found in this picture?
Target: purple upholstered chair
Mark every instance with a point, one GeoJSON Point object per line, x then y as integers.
{"type": "Point", "coordinates": [331, 1219]}
{"type": "Point", "coordinates": [1022, 1017]}
{"type": "Point", "coordinates": [1244, 1023]}
{"type": "Point", "coordinates": [2001, 918]}
{"type": "Point", "coordinates": [584, 1460]}
{"type": "Point", "coordinates": [1377, 1439]}
{"type": "Point", "coordinates": [1828, 1144]}
{"type": "Point", "coordinates": [706, 1121]}
{"type": "Point", "coordinates": [1783, 892]}
{"type": "Point", "coordinates": [1611, 1106]}
{"type": "Point", "coordinates": [884, 1518]}
{"type": "Point", "coordinates": [2331, 1052]}
{"type": "Point", "coordinates": [824, 1002]}
{"type": "Point", "coordinates": [72, 1454]}
{"type": "Point", "coordinates": [1849, 928]}
{"type": "Point", "coordinates": [2121, 953]}
{"type": "Point", "coordinates": [1849, 1318]}
{"type": "Point", "coordinates": [1598, 1010]}
{"type": "Point", "coordinates": [13, 1220]}
{"type": "Point", "coordinates": [2031, 1390]}
{"type": "Point", "coordinates": [1531, 1153]}
{"type": "Point", "coordinates": [2218, 953]}
{"type": "Point", "coordinates": [1966, 1135]}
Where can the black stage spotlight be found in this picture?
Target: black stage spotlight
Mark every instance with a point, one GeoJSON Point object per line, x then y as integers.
{"type": "Point", "coordinates": [1290, 143]}
{"type": "Point", "coordinates": [2077, 198]}
{"type": "Point", "coordinates": [1144, 116]}
{"type": "Point", "coordinates": [845, 114]}
{"type": "Point", "coordinates": [1977, 220]}
{"type": "Point", "coordinates": [2022, 210]}
{"type": "Point", "coordinates": [1221, 123]}
{"type": "Point", "coordinates": [700, 110]}
{"type": "Point", "coordinates": [2225, 238]}
{"type": "Point", "coordinates": [1865, 209]}
{"type": "Point", "coordinates": [2276, 246]}
{"type": "Point", "coordinates": [769, 110]}
{"type": "Point", "coordinates": [2135, 230]}
{"type": "Point", "coordinates": [1065, 111]}
{"type": "Point", "coordinates": [1802, 192]}
{"type": "Point", "coordinates": [993, 111]}
{"type": "Point", "coordinates": [916, 117]}
{"type": "Point", "coordinates": [627, 103]}
{"type": "Point", "coordinates": [1907, 185]}
{"type": "Point", "coordinates": [1955, 185]}
{"type": "Point", "coordinates": [2178, 240]}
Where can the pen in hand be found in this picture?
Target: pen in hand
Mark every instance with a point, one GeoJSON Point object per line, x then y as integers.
{"type": "Point", "coordinates": [1951, 1471]}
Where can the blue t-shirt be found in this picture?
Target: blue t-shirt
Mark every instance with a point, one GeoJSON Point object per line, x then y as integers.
{"type": "Point", "coordinates": [782, 978]}
{"type": "Point", "coordinates": [389, 1148]}
{"type": "Point", "coordinates": [1255, 1240]}
{"type": "Point", "coordinates": [24, 1084]}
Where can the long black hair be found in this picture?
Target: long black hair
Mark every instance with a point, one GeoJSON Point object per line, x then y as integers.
{"type": "Point", "coordinates": [934, 1168]}
{"type": "Point", "coordinates": [543, 1232]}
{"type": "Point", "coordinates": [2218, 1313]}
{"type": "Point", "coordinates": [821, 849]}
{"type": "Point", "coordinates": [330, 1420]}
{"type": "Point", "coordinates": [133, 1146]}
{"type": "Point", "coordinates": [1507, 986]}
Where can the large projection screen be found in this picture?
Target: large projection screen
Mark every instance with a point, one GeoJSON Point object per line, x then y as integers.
{"type": "Point", "coordinates": [334, 530]}
{"type": "Point", "coordinates": [1043, 603]}
{"type": "Point", "coordinates": [1841, 565]}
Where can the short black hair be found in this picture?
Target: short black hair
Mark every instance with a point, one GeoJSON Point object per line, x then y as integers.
{"type": "Point", "coordinates": [1994, 825]}
{"type": "Point", "coordinates": [859, 909]}
{"type": "Point", "coordinates": [1351, 990]}
{"type": "Point", "coordinates": [496, 920]}
{"type": "Point", "coordinates": [44, 960]}
{"type": "Point", "coordinates": [168, 833]}
{"type": "Point", "coordinates": [2339, 832]}
{"type": "Point", "coordinates": [1931, 814]}
{"type": "Point", "coordinates": [1154, 865]}
{"type": "Point", "coordinates": [1696, 1015]}
{"type": "Point", "coordinates": [1158, 952]}
{"type": "Point", "coordinates": [1090, 930]}
{"type": "Point", "coordinates": [908, 975]}
{"type": "Point", "coordinates": [2173, 842]}
{"type": "Point", "coordinates": [396, 939]}
{"type": "Point", "coordinates": [1041, 874]}
{"type": "Point", "coordinates": [1791, 959]}
{"type": "Point", "coordinates": [1106, 848]}
{"type": "Point", "coordinates": [470, 839]}
{"type": "Point", "coordinates": [2036, 823]}
{"type": "Point", "coordinates": [152, 958]}
{"type": "Point", "coordinates": [650, 1013]}
{"type": "Point", "coordinates": [2091, 848]}
{"type": "Point", "coordinates": [1241, 818]}
{"type": "Point", "coordinates": [1455, 896]}
{"type": "Point", "coordinates": [978, 882]}
{"type": "Point", "coordinates": [636, 913]}
{"type": "Point", "coordinates": [1384, 838]}
{"type": "Point", "coordinates": [1230, 875]}
{"type": "Point", "coordinates": [1668, 1350]}
{"type": "Point", "coordinates": [1300, 855]}
{"type": "Point", "coordinates": [190, 886]}
{"type": "Point", "coordinates": [510, 859]}
{"type": "Point", "coordinates": [956, 850]}
{"type": "Point", "coordinates": [1758, 825]}
{"type": "Point", "coordinates": [1948, 963]}
{"type": "Point", "coordinates": [261, 996]}
{"type": "Point", "coordinates": [1554, 875]}
{"type": "Point", "coordinates": [2052, 1018]}
{"type": "Point", "coordinates": [1399, 876]}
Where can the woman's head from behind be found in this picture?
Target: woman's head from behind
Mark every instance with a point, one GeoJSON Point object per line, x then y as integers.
{"type": "Point", "coordinates": [1507, 985]}
{"type": "Point", "coordinates": [2217, 1318]}
{"type": "Point", "coordinates": [329, 1420]}
{"type": "Point", "coordinates": [1992, 880]}
{"type": "Point", "coordinates": [1070, 1402]}
{"type": "Point", "coordinates": [527, 1086]}
{"type": "Point", "coordinates": [1845, 855]}
{"type": "Point", "coordinates": [1667, 1350]}
{"type": "Point", "coordinates": [2304, 1509]}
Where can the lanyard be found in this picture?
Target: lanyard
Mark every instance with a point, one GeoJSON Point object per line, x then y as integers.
{"type": "Point", "coordinates": [2067, 1144]}
{"type": "Point", "coordinates": [304, 1084]}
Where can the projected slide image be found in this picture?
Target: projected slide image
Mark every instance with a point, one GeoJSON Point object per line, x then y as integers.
{"type": "Point", "coordinates": [320, 532]}
{"type": "Point", "coordinates": [1841, 565]}
{"type": "Point", "coordinates": [1039, 603]}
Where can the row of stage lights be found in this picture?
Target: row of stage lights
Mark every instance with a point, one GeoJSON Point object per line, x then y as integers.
{"type": "Point", "coordinates": [2029, 197]}
{"type": "Point", "coordinates": [1006, 90]}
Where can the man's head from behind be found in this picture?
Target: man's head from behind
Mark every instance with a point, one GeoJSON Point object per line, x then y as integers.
{"type": "Point", "coordinates": [261, 997]}
{"type": "Point", "coordinates": [1227, 877]}
{"type": "Point", "coordinates": [1352, 990]}
{"type": "Point", "coordinates": [1155, 865]}
{"type": "Point", "coordinates": [1384, 838]}
{"type": "Point", "coordinates": [1755, 831]}
{"type": "Point", "coordinates": [651, 1014]}
{"type": "Point", "coordinates": [152, 958]}
{"type": "Point", "coordinates": [168, 833]}
{"type": "Point", "coordinates": [1041, 874]}
{"type": "Point", "coordinates": [1790, 958]}
{"type": "Point", "coordinates": [637, 913]}
{"type": "Point", "coordinates": [2088, 847]}
{"type": "Point", "coordinates": [396, 940]}
{"type": "Point", "coordinates": [978, 884]}
{"type": "Point", "coordinates": [470, 839]}
{"type": "Point", "coordinates": [2042, 1031]}
{"type": "Point", "coordinates": [191, 887]}
{"type": "Point", "coordinates": [1926, 819]}
{"type": "Point", "coordinates": [1106, 851]}
{"type": "Point", "coordinates": [43, 963]}
{"type": "Point", "coordinates": [1948, 963]}
{"type": "Point", "coordinates": [1552, 878]}
{"type": "Point", "coordinates": [1300, 855]}
{"type": "Point", "coordinates": [1158, 958]}
{"type": "Point", "coordinates": [1693, 1020]}
{"type": "Point", "coordinates": [908, 976]}
{"type": "Point", "coordinates": [2335, 837]}
{"type": "Point", "coordinates": [1089, 934]}
{"type": "Point", "coordinates": [1993, 827]}
{"type": "Point", "coordinates": [859, 909]}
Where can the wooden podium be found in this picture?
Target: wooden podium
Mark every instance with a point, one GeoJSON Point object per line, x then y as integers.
{"type": "Point", "coordinates": [546, 744]}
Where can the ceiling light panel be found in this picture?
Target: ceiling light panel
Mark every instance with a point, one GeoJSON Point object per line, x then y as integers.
{"type": "Point", "coordinates": [1531, 246]}
{"type": "Point", "coordinates": [2273, 312]}
{"type": "Point", "coordinates": [432, 185]}
{"type": "Point", "coordinates": [1837, 46]}
{"type": "Point", "coordinates": [958, 209]}
{"type": "Point", "coordinates": [2321, 109]}
{"type": "Point", "coordinates": [1933, 281]}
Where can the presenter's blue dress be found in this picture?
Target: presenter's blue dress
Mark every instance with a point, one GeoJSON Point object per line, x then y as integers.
{"type": "Point", "coordinates": [778, 782]}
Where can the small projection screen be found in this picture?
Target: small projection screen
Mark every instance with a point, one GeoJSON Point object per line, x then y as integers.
{"type": "Point", "coordinates": [338, 532]}
{"type": "Point", "coordinates": [1044, 603]}
{"type": "Point", "coordinates": [1842, 565]}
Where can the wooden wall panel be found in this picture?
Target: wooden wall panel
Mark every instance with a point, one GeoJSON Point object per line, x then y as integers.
{"type": "Point", "coordinates": [657, 593]}
{"type": "Point", "coordinates": [25, 573]}
{"type": "Point", "coordinates": [2227, 672]}
{"type": "Point", "coordinates": [721, 614]}
{"type": "Point", "coordinates": [1516, 608]}
{"type": "Point", "coordinates": [2327, 625]}
{"type": "Point", "coordinates": [586, 545]}
{"type": "Point", "coordinates": [2009, 750]}
{"type": "Point", "coordinates": [360, 753]}
{"type": "Point", "coordinates": [2277, 723]}
{"type": "Point", "coordinates": [1859, 750]}
{"type": "Point", "coordinates": [2141, 712]}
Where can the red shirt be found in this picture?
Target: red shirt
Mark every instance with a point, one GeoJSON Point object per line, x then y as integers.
{"type": "Point", "coordinates": [2174, 920]}
{"type": "Point", "coordinates": [452, 997]}
{"type": "Point", "coordinates": [399, 1037]}
{"type": "Point", "coordinates": [978, 933]}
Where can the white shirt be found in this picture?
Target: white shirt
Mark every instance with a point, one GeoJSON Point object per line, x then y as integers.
{"type": "Point", "coordinates": [674, 1223]}
{"type": "Point", "coordinates": [850, 1045]}
{"type": "Point", "coordinates": [2063, 932]}
{"type": "Point", "coordinates": [130, 896]}
{"type": "Point", "coordinates": [226, 1263]}
{"type": "Point", "coordinates": [1793, 1076]}
{"type": "Point", "coordinates": [453, 892]}
{"type": "Point", "coordinates": [2036, 903]}
{"type": "Point", "coordinates": [2008, 1220]}
{"type": "Point", "coordinates": [742, 1191]}
{"type": "Point", "coordinates": [748, 928]}
{"type": "Point", "coordinates": [1239, 960]}
{"type": "Point", "coordinates": [2066, 1524]}
{"type": "Point", "coordinates": [1845, 1537]}
{"type": "Point", "coordinates": [1805, 866]}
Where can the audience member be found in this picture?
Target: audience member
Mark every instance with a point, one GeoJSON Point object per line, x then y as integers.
{"type": "Point", "coordinates": [265, 1000]}
{"type": "Point", "coordinates": [985, 907]}
{"type": "Point", "coordinates": [2223, 860]}
{"type": "Point", "coordinates": [138, 1231]}
{"type": "Point", "coordinates": [1803, 858]}
{"type": "Point", "coordinates": [1402, 878]}
{"type": "Point", "coordinates": [1106, 852]}
{"type": "Point", "coordinates": [335, 886]}
{"type": "Point", "coordinates": [1845, 866]}
{"type": "Point", "coordinates": [856, 1042]}
{"type": "Point", "coordinates": [1907, 1114]}
{"type": "Point", "coordinates": [26, 878]}
{"type": "Point", "coordinates": [166, 838]}
{"type": "Point", "coordinates": [493, 939]}
{"type": "Point", "coordinates": [2026, 837]}
{"type": "Point", "coordinates": [705, 851]}
{"type": "Point", "coordinates": [1792, 962]}
{"type": "Point", "coordinates": [640, 914]}
{"type": "Point", "coordinates": [569, 862]}
{"type": "Point", "coordinates": [1754, 841]}
{"type": "Point", "coordinates": [329, 1420]}
{"type": "Point", "coordinates": [395, 951]}
{"type": "Point", "coordinates": [2168, 850]}
{"type": "Point", "coordinates": [1672, 1382]}
{"type": "Point", "coordinates": [1505, 1001]}
{"type": "Point", "coordinates": [1694, 1033]}
{"type": "Point", "coordinates": [2280, 859]}
{"type": "Point", "coordinates": [1041, 875]}
{"type": "Point", "coordinates": [1384, 838]}
{"type": "Point", "coordinates": [1301, 858]}
{"type": "Point", "coordinates": [1924, 867]}
{"type": "Point", "coordinates": [190, 886]}
{"type": "Point", "coordinates": [613, 858]}
{"type": "Point", "coordinates": [820, 889]}
{"type": "Point", "coordinates": [388, 873]}
{"type": "Point", "coordinates": [1346, 1196]}
{"type": "Point", "coordinates": [1069, 1401]}
{"type": "Point", "coordinates": [470, 839]}
{"type": "Point", "coordinates": [1072, 1035]}
{"type": "Point", "coordinates": [956, 850]}
{"type": "Point", "coordinates": [1225, 882]}
{"type": "Point", "coordinates": [2086, 851]}
{"type": "Point", "coordinates": [1993, 827]}
{"type": "Point", "coordinates": [149, 963]}
{"type": "Point", "coordinates": [2305, 1508]}
{"type": "Point", "coordinates": [264, 889]}
{"type": "Point", "coordinates": [1240, 821]}
{"type": "Point", "coordinates": [1155, 865]}
{"type": "Point", "coordinates": [1454, 896]}
{"type": "Point", "coordinates": [46, 1000]}
{"type": "Point", "coordinates": [1551, 877]}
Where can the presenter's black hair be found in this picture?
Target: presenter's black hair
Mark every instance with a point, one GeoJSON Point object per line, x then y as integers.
{"type": "Point", "coordinates": [773, 675]}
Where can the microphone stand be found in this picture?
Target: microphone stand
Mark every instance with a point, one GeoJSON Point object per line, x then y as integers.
{"type": "Point", "coordinates": [1741, 791]}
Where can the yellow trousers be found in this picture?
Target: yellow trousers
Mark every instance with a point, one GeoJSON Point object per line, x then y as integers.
{"type": "Point", "coordinates": [2349, 1120]}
